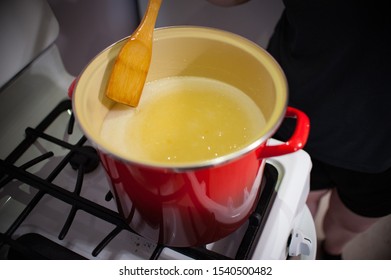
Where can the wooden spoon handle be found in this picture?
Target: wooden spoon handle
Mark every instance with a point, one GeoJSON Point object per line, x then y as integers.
{"type": "Point", "coordinates": [145, 30]}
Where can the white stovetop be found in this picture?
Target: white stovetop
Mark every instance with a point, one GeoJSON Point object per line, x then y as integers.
{"type": "Point", "coordinates": [29, 98]}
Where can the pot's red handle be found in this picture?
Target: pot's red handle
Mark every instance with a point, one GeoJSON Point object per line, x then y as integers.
{"type": "Point", "coordinates": [298, 139]}
{"type": "Point", "coordinates": [72, 88]}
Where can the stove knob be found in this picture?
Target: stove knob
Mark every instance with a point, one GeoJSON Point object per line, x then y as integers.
{"type": "Point", "coordinates": [299, 244]}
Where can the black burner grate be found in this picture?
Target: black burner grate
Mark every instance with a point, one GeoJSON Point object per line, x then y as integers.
{"type": "Point", "coordinates": [84, 159]}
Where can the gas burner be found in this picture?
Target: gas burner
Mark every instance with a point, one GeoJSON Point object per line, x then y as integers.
{"type": "Point", "coordinates": [37, 247]}
{"type": "Point", "coordinates": [85, 157]}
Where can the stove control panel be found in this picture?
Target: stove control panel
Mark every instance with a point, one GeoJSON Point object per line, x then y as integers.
{"type": "Point", "coordinates": [300, 244]}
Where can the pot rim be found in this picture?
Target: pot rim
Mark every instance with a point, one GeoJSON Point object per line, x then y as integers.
{"type": "Point", "coordinates": [187, 166]}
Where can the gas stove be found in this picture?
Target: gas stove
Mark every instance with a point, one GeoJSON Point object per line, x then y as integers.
{"type": "Point", "coordinates": [55, 200]}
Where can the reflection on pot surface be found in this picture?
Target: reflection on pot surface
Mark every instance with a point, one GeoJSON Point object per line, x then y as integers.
{"type": "Point", "coordinates": [187, 208]}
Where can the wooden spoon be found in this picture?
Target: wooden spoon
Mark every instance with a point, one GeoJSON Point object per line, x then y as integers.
{"type": "Point", "coordinates": [132, 63]}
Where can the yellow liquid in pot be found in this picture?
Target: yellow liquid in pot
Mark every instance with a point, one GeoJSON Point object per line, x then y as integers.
{"type": "Point", "coordinates": [183, 120]}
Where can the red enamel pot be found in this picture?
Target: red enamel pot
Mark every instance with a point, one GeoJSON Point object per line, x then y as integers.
{"type": "Point", "coordinates": [199, 202]}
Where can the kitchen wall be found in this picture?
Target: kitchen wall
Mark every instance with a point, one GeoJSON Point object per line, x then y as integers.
{"type": "Point", "coordinates": [89, 26]}
{"type": "Point", "coordinates": [26, 28]}
{"type": "Point", "coordinates": [254, 20]}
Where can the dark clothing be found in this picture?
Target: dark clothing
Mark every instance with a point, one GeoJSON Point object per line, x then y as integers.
{"type": "Point", "coordinates": [366, 194]}
{"type": "Point", "coordinates": [337, 59]}
{"type": "Point", "coordinates": [336, 55]}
